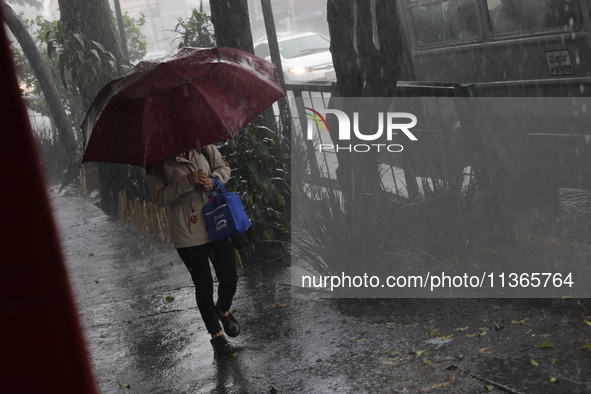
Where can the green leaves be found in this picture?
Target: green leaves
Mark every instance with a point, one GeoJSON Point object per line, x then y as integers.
{"type": "Point", "coordinates": [195, 31]}
{"type": "Point", "coordinates": [521, 322]}
{"type": "Point", "coordinates": [477, 334]}
{"type": "Point", "coordinates": [545, 345]}
{"type": "Point", "coordinates": [261, 179]}
{"type": "Point", "coordinates": [79, 61]}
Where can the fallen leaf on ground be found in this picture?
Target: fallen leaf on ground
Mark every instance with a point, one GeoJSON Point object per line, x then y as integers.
{"type": "Point", "coordinates": [587, 347]}
{"type": "Point", "coordinates": [436, 386]}
{"type": "Point", "coordinates": [553, 379]}
{"type": "Point", "coordinates": [534, 363]}
{"type": "Point", "coordinates": [169, 299]}
{"type": "Point", "coordinates": [545, 345]}
{"type": "Point", "coordinates": [277, 305]}
{"type": "Point", "coordinates": [484, 350]}
{"type": "Point", "coordinates": [462, 328]}
{"type": "Point", "coordinates": [124, 385]}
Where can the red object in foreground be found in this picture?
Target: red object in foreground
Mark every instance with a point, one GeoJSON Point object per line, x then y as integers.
{"type": "Point", "coordinates": [42, 346]}
{"type": "Point", "coordinates": [186, 100]}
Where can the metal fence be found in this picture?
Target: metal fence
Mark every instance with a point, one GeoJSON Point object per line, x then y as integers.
{"type": "Point", "coordinates": [402, 175]}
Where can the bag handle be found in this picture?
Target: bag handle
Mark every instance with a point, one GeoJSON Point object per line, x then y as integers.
{"type": "Point", "coordinates": [216, 183]}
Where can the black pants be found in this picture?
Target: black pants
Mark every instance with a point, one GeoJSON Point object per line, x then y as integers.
{"type": "Point", "coordinates": [196, 258]}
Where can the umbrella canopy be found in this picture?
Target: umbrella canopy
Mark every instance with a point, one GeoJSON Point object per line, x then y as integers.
{"type": "Point", "coordinates": [185, 100]}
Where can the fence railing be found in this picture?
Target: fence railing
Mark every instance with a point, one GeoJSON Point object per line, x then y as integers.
{"type": "Point", "coordinates": [144, 216]}
{"type": "Point", "coordinates": [402, 174]}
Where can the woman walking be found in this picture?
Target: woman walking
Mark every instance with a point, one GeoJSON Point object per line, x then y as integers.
{"type": "Point", "coordinates": [181, 182]}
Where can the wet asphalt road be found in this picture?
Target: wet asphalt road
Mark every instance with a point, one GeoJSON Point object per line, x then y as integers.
{"type": "Point", "coordinates": [145, 335]}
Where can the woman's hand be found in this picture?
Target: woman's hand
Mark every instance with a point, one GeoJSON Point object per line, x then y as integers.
{"type": "Point", "coordinates": [199, 178]}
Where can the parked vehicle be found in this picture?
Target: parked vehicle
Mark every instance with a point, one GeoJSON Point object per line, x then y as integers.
{"type": "Point", "coordinates": [518, 48]}
{"type": "Point", "coordinates": [514, 48]}
{"type": "Point", "coordinates": [304, 57]}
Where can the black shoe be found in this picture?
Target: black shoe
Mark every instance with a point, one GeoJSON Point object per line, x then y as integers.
{"type": "Point", "coordinates": [221, 346]}
{"type": "Point", "coordinates": [231, 325]}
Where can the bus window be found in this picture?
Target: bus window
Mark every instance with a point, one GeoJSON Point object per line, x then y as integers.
{"type": "Point", "coordinates": [442, 22]}
{"type": "Point", "coordinates": [515, 16]}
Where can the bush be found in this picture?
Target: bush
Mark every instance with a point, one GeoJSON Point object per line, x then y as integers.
{"type": "Point", "coordinates": [260, 175]}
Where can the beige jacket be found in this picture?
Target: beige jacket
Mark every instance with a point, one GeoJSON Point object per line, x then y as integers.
{"type": "Point", "coordinates": [169, 187]}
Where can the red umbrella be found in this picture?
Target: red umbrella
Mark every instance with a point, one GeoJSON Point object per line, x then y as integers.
{"type": "Point", "coordinates": [186, 100]}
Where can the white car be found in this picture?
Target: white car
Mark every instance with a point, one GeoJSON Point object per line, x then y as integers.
{"type": "Point", "coordinates": [304, 57]}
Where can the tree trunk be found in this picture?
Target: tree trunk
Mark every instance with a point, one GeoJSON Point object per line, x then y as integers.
{"type": "Point", "coordinates": [95, 20]}
{"type": "Point", "coordinates": [367, 50]}
{"type": "Point", "coordinates": [341, 26]}
{"type": "Point", "coordinates": [50, 91]}
{"type": "Point", "coordinates": [231, 24]}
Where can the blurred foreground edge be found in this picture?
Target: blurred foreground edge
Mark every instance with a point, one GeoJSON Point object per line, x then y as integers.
{"type": "Point", "coordinates": [43, 349]}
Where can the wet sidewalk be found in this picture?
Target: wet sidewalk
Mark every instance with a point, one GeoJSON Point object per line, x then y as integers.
{"type": "Point", "coordinates": [144, 333]}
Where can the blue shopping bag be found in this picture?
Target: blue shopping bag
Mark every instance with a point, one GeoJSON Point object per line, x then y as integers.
{"type": "Point", "coordinates": [225, 216]}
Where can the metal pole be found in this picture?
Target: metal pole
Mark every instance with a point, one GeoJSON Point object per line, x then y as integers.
{"type": "Point", "coordinates": [284, 112]}
{"type": "Point", "coordinates": [121, 30]}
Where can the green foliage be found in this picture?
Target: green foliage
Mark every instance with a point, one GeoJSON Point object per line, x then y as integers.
{"type": "Point", "coordinates": [136, 41]}
{"type": "Point", "coordinates": [195, 31]}
{"type": "Point", "coordinates": [79, 60]}
{"type": "Point", "coordinates": [260, 175]}
{"type": "Point", "coordinates": [67, 51]}
{"type": "Point", "coordinates": [39, 28]}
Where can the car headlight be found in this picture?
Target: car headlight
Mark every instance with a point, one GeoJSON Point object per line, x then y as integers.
{"type": "Point", "coordinates": [299, 70]}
